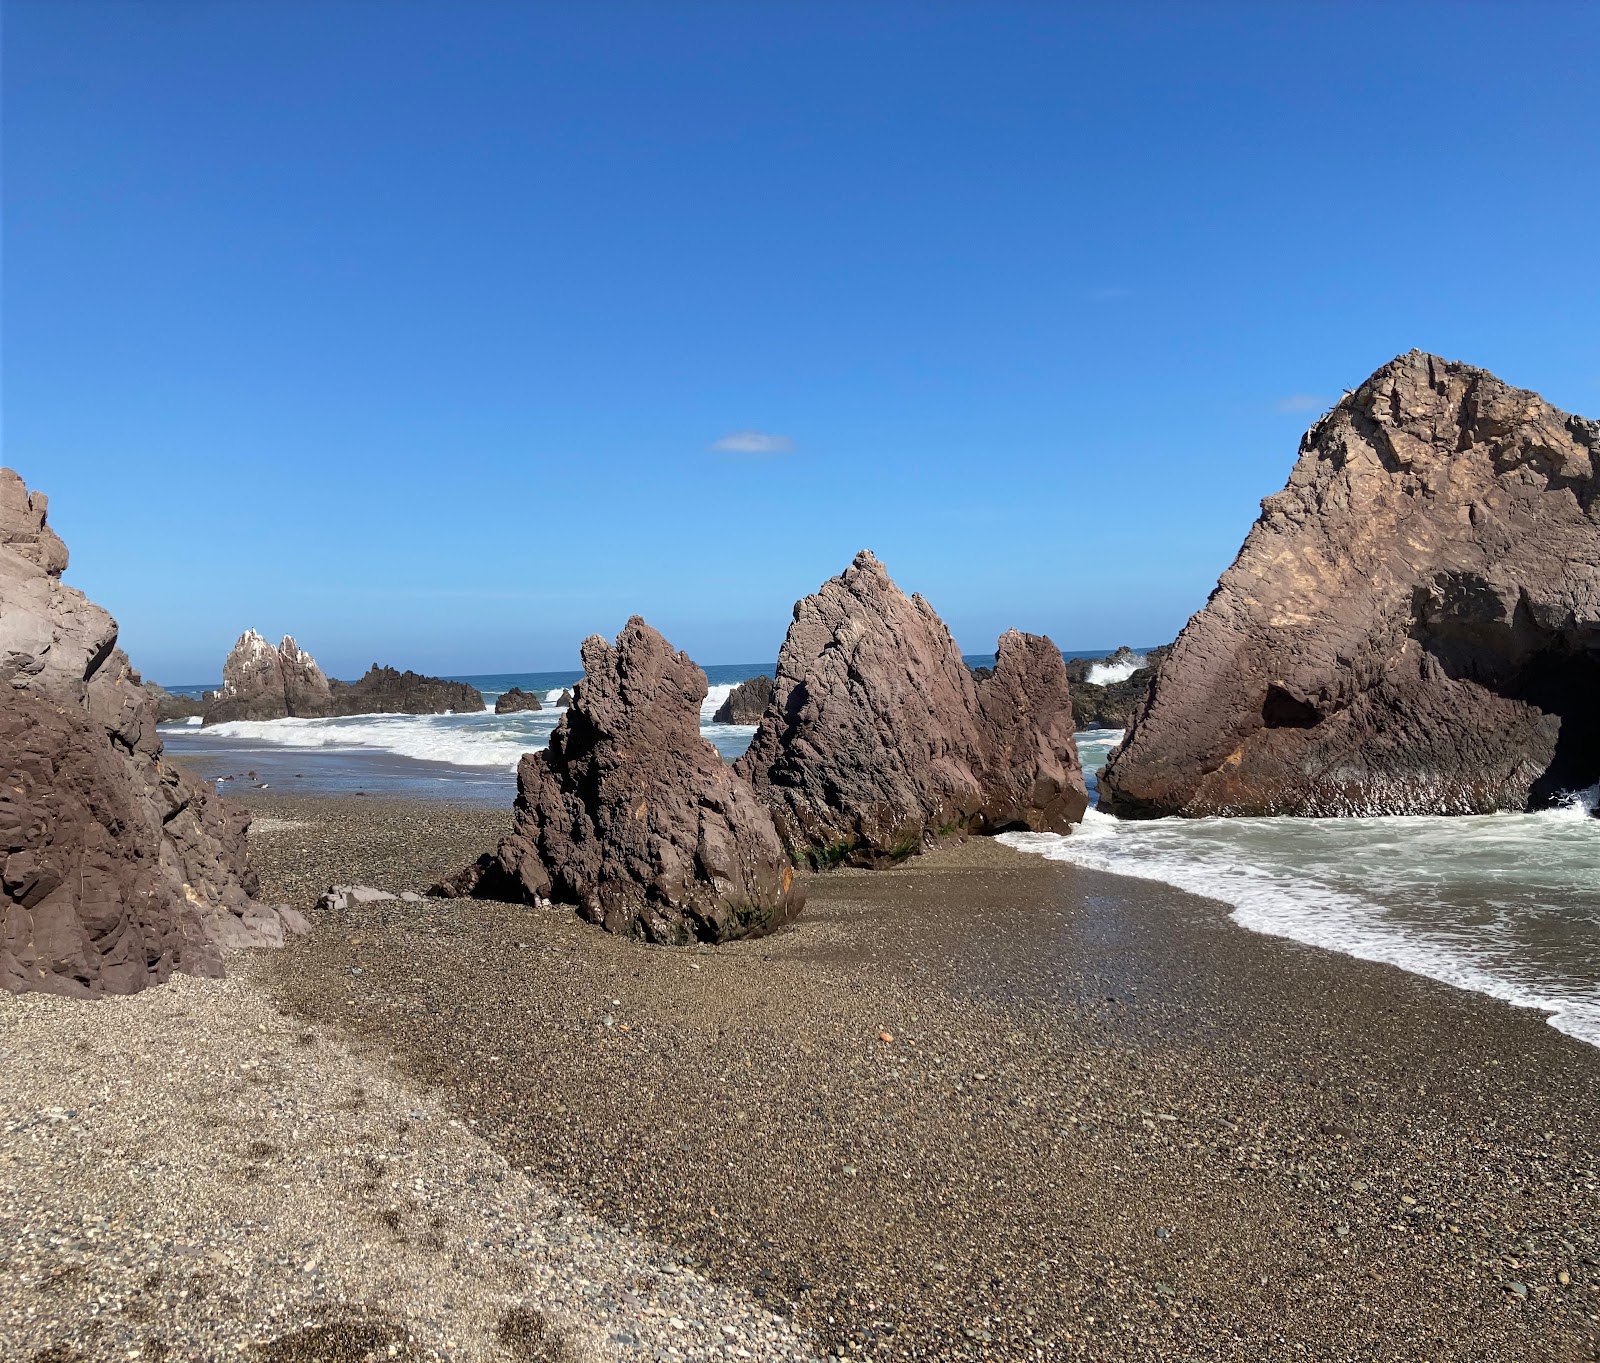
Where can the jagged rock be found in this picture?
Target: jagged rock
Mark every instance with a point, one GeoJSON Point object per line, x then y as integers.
{"type": "Point", "coordinates": [1113, 704]}
{"type": "Point", "coordinates": [384, 691]}
{"type": "Point", "coordinates": [564, 699]}
{"type": "Point", "coordinates": [116, 868]}
{"type": "Point", "coordinates": [878, 739]}
{"type": "Point", "coordinates": [631, 815]}
{"type": "Point", "coordinates": [515, 701]}
{"type": "Point", "coordinates": [262, 682]}
{"type": "Point", "coordinates": [1411, 627]}
{"type": "Point", "coordinates": [746, 703]}
{"type": "Point", "coordinates": [172, 708]}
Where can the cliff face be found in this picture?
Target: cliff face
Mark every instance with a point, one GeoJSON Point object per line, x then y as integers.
{"type": "Point", "coordinates": [1412, 625]}
{"type": "Point", "coordinates": [633, 817]}
{"type": "Point", "coordinates": [116, 868]}
{"type": "Point", "coordinates": [875, 742]}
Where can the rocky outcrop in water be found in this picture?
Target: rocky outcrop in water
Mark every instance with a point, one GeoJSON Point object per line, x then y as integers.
{"type": "Point", "coordinates": [1112, 704]}
{"type": "Point", "coordinates": [1411, 627]}
{"type": "Point", "coordinates": [515, 701]}
{"type": "Point", "coordinates": [746, 703]}
{"type": "Point", "coordinates": [564, 699]}
{"type": "Point", "coordinates": [878, 739]}
{"type": "Point", "coordinates": [263, 682]}
{"type": "Point", "coordinates": [172, 708]}
{"type": "Point", "coordinates": [633, 817]}
{"type": "Point", "coordinates": [116, 868]}
{"type": "Point", "coordinates": [384, 691]}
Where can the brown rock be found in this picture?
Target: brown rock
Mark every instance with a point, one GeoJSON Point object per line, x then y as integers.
{"type": "Point", "coordinates": [262, 682]}
{"type": "Point", "coordinates": [384, 691]}
{"type": "Point", "coordinates": [877, 741]}
{"type": "Point", "coordinates": [172, 708]}
{"type": "Point", "coordinates": [515, 701]}
{"type": "Point", "coordinates": [115, 868]}
{"type": "Point", "coordinates": [746, 703]}
{"type": "Point", "coordinates": [633, 817]}
{"type": "Point", "coordinates": [1411, 627]}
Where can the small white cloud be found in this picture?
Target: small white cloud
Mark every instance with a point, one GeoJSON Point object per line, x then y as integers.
{"type": "Point", "coordinates": [1303, 402]}
{"type": "Point", "coordinates": [752, 442]}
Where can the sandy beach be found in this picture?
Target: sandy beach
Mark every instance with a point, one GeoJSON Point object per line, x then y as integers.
{"type": "Point", "coordinates": [980, 1106]}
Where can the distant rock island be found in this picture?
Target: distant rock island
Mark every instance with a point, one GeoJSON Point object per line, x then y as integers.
{"type": "Point", "coordinates": [260, 682]}
{"type": "Point", "coordinates": [745, 703]}
{"type": "Point", "coordinates": [1411, 627]}
{"type": "Point", "coordinates": [117, 867]}
{"type": "Point", "coordinates": [1113, 703]}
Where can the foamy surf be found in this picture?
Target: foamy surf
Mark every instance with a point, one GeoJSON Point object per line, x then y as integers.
{"type": "Point", "coordinates": [1506, 905]}
{"type": "Point", "coordinates": [1102, 674]}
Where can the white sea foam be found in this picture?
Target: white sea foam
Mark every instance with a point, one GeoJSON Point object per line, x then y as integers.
{"type": "Point", "coordinates": [552, 696]}
{"type": "Point", "coordinates": [1102, 675]}
{"type": "Point", "coordinates": [194, 721]}
{"type": "Point", "coordinates": [478, 740]}
{"type": "Point", "coordinates": [1506, 905]}
{"type": "Point", "coordinates": [715, 695]}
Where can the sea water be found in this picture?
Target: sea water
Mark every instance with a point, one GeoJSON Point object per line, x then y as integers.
{"type": "Point", "coordinates": [1503, 904]}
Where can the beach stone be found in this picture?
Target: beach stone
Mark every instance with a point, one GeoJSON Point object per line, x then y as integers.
{"type": "Point", "coordinates": [262, 682]}
{"type": "Point", "coordinates": [746, 703]}
{"type": "Point", "coordinates": [116, 867]}
{"type": "Point", "coordinates": [345, 897]}
{"type": "Point", "coordinates": [879, 740]}
{"type": "Point", "coordinates": [515, 701]}
{"type": "Point", "coordinates": [1411, 627]}
{"type": "Point", "coordinates": [633, 817]}
{"type": "Point", "coordinates": [385, 691]}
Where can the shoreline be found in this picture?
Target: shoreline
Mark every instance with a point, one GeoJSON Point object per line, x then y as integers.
{"type": "Point", "coordinates": [1111, 1120]}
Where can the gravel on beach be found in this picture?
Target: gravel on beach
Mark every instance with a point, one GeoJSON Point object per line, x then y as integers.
{"type": "Point", "coordinates": [988, 1106]}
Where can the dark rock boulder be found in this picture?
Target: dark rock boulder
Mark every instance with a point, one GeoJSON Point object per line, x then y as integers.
{"type": "Point", "coordinates": [875, 741]}
{"type": "Point", "coordinates": [746, 703]}
{"type": "Point", "coordinates": [632, 816]}
{"type": "Point", "coordinates": [564, 699]}
{"type": "Point", "coordinates": [1411, 627]}
{"type": "Point", "coordinates": [116, 868]}
{"type": "Point", "coordinates": [263, 682]}
{"type": "Point", "coordinates": [384, 691]}
{"type": "Point", "coordinates": [172, 708]}
{"type": "Point", "coordinates": [515, 701]}
{"type": "Point", "coordinates": [1112, 704]}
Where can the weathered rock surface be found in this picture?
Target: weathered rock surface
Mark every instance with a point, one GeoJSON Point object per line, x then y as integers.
{"type": "Point", "coordinates": [1411, 627]}
{"type": "Point", "coordinates": [263, 682]}
{"type": "Point", "coordinates": [878, 739]}
{"type": "Point", "coordinates": [384, 691]}
{"type": "Point", "coordinates": [746, 703]}
{"type": "Point", "coordinates": [633, 817]}
{"type": "Point", "coordinates": [515, 701]}
{"type": "Point", "coordinates": [116, 868]}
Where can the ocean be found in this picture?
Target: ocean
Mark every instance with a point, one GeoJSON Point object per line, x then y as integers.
{"type": "Point", "coordinates": [1506, 905]}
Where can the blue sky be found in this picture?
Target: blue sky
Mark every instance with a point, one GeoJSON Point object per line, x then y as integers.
{"type": "Point", "coordinates": [447, 334]}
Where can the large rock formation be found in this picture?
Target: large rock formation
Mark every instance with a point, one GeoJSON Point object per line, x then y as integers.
{"type": "Point", "coordinates": [262, 682]}
{"type": "Point", "coordinates": [878, 739]}
{"type": "Point", "coordinates": [746, 703]}
{"type": "Point", "coordinates": [115, 867]}
{"type": "Point", "coordinates": [384, 691]}
{"type": "Point", "coordinates": [170, 707]}
{"type": "Point", "coordinates": [633, 817]}
{"type": "Point", "coordinates": [515, 701]}
{"type": "Point", "coordinates": [1411, 627]}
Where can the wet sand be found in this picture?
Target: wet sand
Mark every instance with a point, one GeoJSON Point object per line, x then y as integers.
{"type": "Point", "coordinates": [1109, 1124]}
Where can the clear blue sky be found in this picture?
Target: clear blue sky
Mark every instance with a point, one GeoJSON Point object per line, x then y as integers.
{"type": "Point", "coordinates": [410, 328]}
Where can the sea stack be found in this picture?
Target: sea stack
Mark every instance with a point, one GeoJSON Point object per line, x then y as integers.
{"type": "Point", "coordinates": [515, 701]}
{"type": "Point", "coordinates": [263, 682]}
{"type": "Point", "coordinates": [878, 739]}
{"type": "Point", "coordinates": [117, 868]}
{"type": "Point", "coordinates": [1411, 627]}
{"type": "Point", "coordinates": [633, 817]}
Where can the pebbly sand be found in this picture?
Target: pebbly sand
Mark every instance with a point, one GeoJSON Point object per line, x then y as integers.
{"type": "Point", "coordinates": [1108, 1125]}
